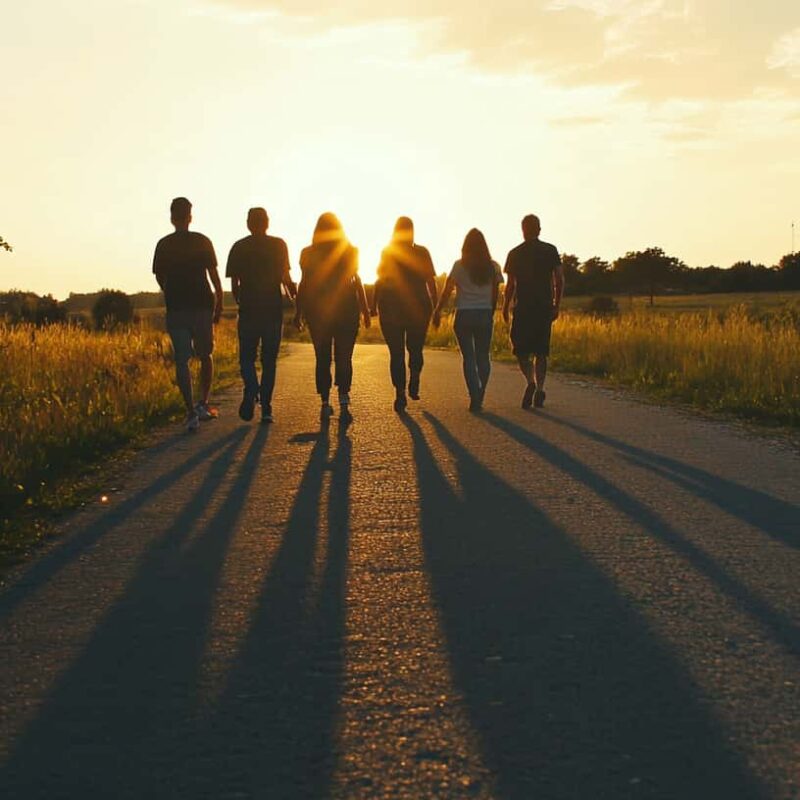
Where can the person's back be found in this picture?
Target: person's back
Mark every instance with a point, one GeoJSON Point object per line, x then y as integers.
{"type": "Point", "coordinates": [181, 262]}
{"type": "Point", "coordinates": [533, 264]}
{"type": "Point", "coordinates": [403, 275]}
{"type": "Point", "coordinates": [329, 291]}
{"type": "Point", "coordinates": [260, 262]}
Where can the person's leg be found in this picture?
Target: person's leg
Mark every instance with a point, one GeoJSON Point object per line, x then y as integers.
{"type": "Point", "coordinates": [393, 334]}
{"type": "Point", "coordinates": [415, 341]}
{"type": "Point", "coordinates": [483, 346]}
{"type": "Point", "coordinates": [323, 342]}
{"type": "Point", "coordinates": [248, 347]}
{"type": "Point", "coordinates": [465, 334]}
{"type": "Point", "coordinates": [540, 371]}
{"type": "Point", "coordinates": [270, 346]}
{"type": "Point", "coordinates": [203, 341]}
{"type": "Point", "coordinates": [181, 336]}
{"type": "Point", "coordinates": [343, 344]}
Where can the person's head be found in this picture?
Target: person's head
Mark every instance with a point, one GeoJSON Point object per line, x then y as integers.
{"type": "Point", "coordinates": [257, 221]}
{"type": "Point", "coordinates": [180, 212]}
{"type": "Point", "coordinates": [403, 231]}
{"type": "Point", "coordinates": [531, 227]}
{"type": "Point", "coordinates": [476, 258]}
{"type": "Point", "coordinates": [328, 229]}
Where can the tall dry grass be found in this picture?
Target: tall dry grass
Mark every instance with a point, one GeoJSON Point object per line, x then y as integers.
{"type": "Point", "coordinates": [68, 395]}
{"type": "Point", "coordinates": [730, 360]}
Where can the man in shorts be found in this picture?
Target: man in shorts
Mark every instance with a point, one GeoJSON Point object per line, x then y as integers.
{"type": "Point", "coordinates": [534, 289]}
{"type": "Point", "coordinates": [258, 266]}
{"type": "Point", "coordinates": [182, 263]}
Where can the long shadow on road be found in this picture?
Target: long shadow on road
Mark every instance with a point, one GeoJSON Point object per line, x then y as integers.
{"type": "Point", "coordinates": [115, 723]}
{"type": "Point", "coordinates": [781, 627]}
{"type": "Point", "coordinates": [569, 691]}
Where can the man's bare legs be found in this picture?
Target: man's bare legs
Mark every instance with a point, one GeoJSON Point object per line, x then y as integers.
{"type": "Point", "coordinates": [534, 368]}
{"type": "Point", "coordinates": [183, 377]}
{"type": "Point", "coordinates": [206, 377]}
{"type": "Point", "coordinates": [540, 371]}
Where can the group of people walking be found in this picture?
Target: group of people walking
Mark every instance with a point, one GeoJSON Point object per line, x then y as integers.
{"type": "Point", "coordinates": [331, 300]}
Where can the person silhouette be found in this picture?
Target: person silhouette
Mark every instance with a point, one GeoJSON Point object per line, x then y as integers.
{"type": "Point", "coordinates": [182, 263]}
{"type": "Point", "coordinates": [330, 299]}
{"type": "Point", "coordinates": [404, 296]}
{"type": "Point", "coordinates": [476, 279]}
{"type": "Point", "coordinates": [258, 266]}
{"type": "Point", "coordinates": [534, 291]}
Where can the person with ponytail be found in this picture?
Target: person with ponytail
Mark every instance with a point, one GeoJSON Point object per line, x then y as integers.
{"type": "Point", "coordinates": [476, 279]}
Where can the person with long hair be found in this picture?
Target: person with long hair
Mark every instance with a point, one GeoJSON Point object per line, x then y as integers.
{"type": "Point", "coordinates": [330, 299]}
{"type": "Point", "coordinates": [405, 295]}
{"type": "Point", "coordinates": [476, 279]}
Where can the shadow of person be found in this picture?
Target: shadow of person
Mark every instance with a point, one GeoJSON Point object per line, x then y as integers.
{"type": "Point", "coordinates": [118, 722]}
{"type": "Point", "coordinates": [782, 628]}
{"type": "Point", "coordinates": [775, 517]}
{"type": "Point", "coordinates": [570, 693]}
{"type": "Point", "coordinates": [272, 729]}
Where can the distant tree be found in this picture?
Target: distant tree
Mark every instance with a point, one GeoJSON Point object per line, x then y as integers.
{"type": "Point", "coordinates": [594, 267]}
{"type": "Point", "coordinates": [16, 306]}
{"type": "Point", "coordinates": [789, 271]}
{"type": "Point", "coordinates": [648, 270]}
{"type": "Point", "coordinates": [112, 308]}
{"type": "Point", "coordinates": [5, 245]}
{"type": "Point", "coordinates": [49, 311]}
{"type": "Point", "coordinates": [572, 277]}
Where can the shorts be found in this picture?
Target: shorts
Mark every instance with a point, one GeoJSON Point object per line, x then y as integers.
{"type": "Point", "coordinates": [192, 332]}
{"type": "Point", "coordinates": [530, 332]}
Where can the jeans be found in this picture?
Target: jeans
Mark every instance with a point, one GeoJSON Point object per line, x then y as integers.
{"type": "Point", "coordinates": [473, 329]}
{"type": "Point", "coordinates": [400, 336]}
{"type": "Point", "coordinates": [340, 337]}
{"type": "Point", "coordinates": [266, 332]}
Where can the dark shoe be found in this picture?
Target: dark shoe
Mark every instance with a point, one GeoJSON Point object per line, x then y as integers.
{"type": "Point", "coordinates": [247, 408]}
{"type": "Point", "coordinates": [538, 398]}
{"type": "Point", "coordinates": [527, 398]}
{"type": "Point", "coordinates": [475, 405]}
{"type": "Point", "coordinates": [266, 416]}
{"type": "Point", "coordinates": [400, 403]}
{"type": "Point", "coordinates": [413, 386]}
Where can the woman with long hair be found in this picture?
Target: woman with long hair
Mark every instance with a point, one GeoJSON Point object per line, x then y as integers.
{"type": "Point", "coordinates": [476, 279]}
{"type": "Point", "coordinates": [330, 298]}
{"type": "Point", "coordinates": [405, 294]}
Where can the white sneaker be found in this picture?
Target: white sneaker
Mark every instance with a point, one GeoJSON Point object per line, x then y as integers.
{"type": "Point", "coordinates": [192, 422]}
{"type": "Point", "coordinates": [205, 412]}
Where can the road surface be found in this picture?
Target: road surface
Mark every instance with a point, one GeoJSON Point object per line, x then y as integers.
{"type": "Point", "coordinates": [595, 600]}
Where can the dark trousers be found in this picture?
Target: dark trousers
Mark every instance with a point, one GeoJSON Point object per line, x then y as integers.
{"type": "Point", "coordinates": [473, 329]}
{"type": "Point", "coordinates": [402, 336]}
{"type": "Point", "coordinates": [263, 332]}
{"type": "Point", "coordinates": [337, 340]}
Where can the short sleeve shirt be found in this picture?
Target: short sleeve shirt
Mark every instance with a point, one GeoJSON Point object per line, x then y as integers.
{"type": "Point", "coordinates": [181, 263]}
{"type": "Point", "coordinates": [260, 264]}
{"type": "Point", "coordinates": [328, 285]}
{"type": "Point", "coordinates": [533, 264]}
{"type": "Point", "coordinates": [471, 295]}
{"type": "Point", "coordinates": [403, 276]}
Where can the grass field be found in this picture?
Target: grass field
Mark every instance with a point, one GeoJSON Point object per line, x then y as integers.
{"type": "Point", "coordinates": [69, 396]}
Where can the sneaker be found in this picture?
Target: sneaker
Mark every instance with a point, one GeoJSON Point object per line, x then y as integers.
{"type": "Point", "coordinates": [205, 412]}
{"type": "Point", "coordinates": [400, 403]}
{"type": "Point", "coordinates": [247, 408]}
{"type": "Point", "coordinates": [527, 398]}
{"type": "Point", "coordinates": [192, 422]}
{"type": "Point", "coordinates": [344, 399]}
{"type": "Point", "coordinates": [538, 398]}
{"type": "Point", "coordinates": [413, 386]}
{"type": "Point", "coordinates": [267, 418]}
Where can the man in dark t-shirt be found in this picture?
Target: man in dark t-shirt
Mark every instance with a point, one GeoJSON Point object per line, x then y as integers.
{"type": "Point", "coordinates": [258, 266]}
{"type": "Point", "coordinates": [534, 289]}
{"type": "Point", "coordinates": [182, 264]}
{"type": "Point", "coordinates": [405, 296]}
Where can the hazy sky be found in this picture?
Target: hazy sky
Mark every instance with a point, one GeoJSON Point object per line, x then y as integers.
{"type": "Point", "coordinates": [622, 123]}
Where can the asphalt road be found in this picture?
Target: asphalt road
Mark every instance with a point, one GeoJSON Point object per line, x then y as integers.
{"type": "Point", "coordinates": [596, 600]}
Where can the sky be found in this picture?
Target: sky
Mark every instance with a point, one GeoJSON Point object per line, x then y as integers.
{"type": "Point", "coordinates": [623, 124]}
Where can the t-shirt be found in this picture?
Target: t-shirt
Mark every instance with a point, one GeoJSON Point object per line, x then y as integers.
{"type": "Point", "coordinates": [260, 263]}
{"type": "Point", "coordinates": [403, 275]}
{"type": "Point", "coordinates": [532, 264]}
{"type": "Point", "coordinates": [328, 285]}
{"type": "Point", "coordinates": [471, 295]}
{"type": "Point", "coordinates": [181, 263]}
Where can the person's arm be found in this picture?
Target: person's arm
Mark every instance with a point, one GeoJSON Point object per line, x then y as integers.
{"type": "Point", "coordinates": [362, 301]}
{"type": "Point", "coordinates": [445, 296]}
{"type": "Point", "coordinates": [558, 288]}
{"type": "Point", "coordinates": [376, 289]}
{"type": "Point", "coordinates": [508, 297]}
{"type": "Point", "coordinates": [159, 268]}
{"type": "Point", "coordinates": [286, 275]}
{"type": "Point", "coordinates": [219, 295]}
{"type": "Point", "coordinates": [235, 288]}
{"type": "Point", "coordinates": [498, 279]}
{"type": "Point", "coordinates": [298, 305]}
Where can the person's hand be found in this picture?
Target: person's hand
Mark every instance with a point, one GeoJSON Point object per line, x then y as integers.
{"type": "Point", "coordinates": [506, 314]}
{"type": "Point", "coordinates": [437, 318]}
{"type": "Point", "coordinates": [298, 322]}
{"type": "Point", "coordinates": [555, 312]}
{"type": "Point", "coordinates": [367, 319]}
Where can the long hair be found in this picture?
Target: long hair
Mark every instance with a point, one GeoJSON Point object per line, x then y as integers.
{"type": "Point", "coordinates": [476, 258]}
{"type": "Point", "coordinates": [328, 229]}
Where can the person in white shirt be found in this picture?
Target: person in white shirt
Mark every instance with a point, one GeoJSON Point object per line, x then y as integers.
{"type": "Point", "coordinates": [476, 279]}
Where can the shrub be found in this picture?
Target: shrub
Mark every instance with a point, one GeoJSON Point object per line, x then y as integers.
{"type": "Point", "coordinates": [112, 309]}
{"type": "Point", "coordinates": [602, 306]}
